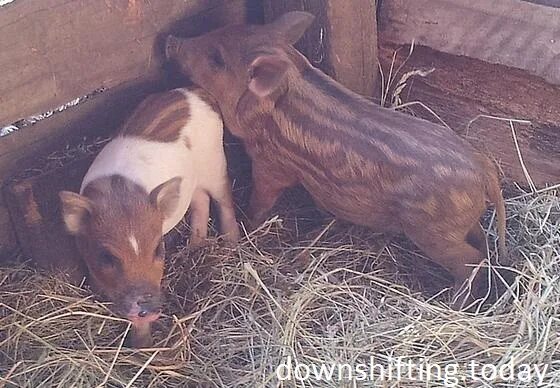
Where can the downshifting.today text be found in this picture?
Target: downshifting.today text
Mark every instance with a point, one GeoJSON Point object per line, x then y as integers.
{"type": "Point", "coordinates": [403, 369]}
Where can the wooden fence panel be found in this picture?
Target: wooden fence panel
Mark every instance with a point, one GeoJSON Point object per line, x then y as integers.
{"type": "Point", "coordinates": [56, 50]}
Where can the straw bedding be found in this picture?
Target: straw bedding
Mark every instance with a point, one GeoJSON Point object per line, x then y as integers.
{"type": "Point", "coordinates": [302, 289]}
{"type": "Point", "coordinates": [233, 315]}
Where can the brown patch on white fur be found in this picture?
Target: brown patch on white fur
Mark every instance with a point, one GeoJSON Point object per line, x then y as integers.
{"type": "Point", "coordinates": [207, 98]}
{"type": "Point", "coordinates": [160, 117]}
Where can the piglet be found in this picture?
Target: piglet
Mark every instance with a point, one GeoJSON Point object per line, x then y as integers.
{"type": "Point", "coordinates": [364, 163]}
{"type": "Point", "coordinates": [167, 158]}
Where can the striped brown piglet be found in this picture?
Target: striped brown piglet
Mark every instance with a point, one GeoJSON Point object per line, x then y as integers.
{"type": "Point", "coordinates": [167, 158]}
{"type": "Point", "coordinates": [365, 164]}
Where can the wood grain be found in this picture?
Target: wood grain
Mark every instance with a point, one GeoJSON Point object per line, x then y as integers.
{"type": "Point", "coordinates": [508, 32]}
{"type": "Point", "coordinates": [460, 89]}
{"type": "Point", "coordinates": [56, 50]}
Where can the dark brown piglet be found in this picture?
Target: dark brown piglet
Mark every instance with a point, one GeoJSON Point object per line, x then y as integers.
{"type": "Point", "coordinates": [366, 164]}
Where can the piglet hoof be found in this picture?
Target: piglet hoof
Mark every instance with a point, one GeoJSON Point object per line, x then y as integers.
{"type": "Point", "coordinates": [198, 242]}
{"type": "Point", "coordinates": [140, 336]}
{"type": "Point", "coordinates": [233, 236]}
{"type": "Point", "coordinates": [231, 239]}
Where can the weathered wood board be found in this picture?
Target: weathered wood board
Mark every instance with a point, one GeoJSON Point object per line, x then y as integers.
{"type": "Point", "coordinates": [510, 32]}
{"type": "Point", "coordinates": [56, 50]}
{"type": "Point", "coordinates": [35, 209]}
{"type": "Point", "coordinates": [550, 3]}
{"type": "Point", "coordinates": [460, 89]}
{"type": "Point", "coordinates": [342, 41]}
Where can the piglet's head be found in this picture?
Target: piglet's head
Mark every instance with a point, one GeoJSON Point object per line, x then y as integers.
{"type": "Point", "coordinates": [229, 61]}
{"type": "Point", "coordinates": [118, 230]}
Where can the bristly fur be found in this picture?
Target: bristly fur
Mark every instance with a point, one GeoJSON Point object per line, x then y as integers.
{"type": "Point", "coordinates": [364, 163]}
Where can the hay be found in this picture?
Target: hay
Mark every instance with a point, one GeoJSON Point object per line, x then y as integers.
{"type": "Point", "coordinates": [302, 288]}
{"type": "Point", "coordinates": [233, 315]}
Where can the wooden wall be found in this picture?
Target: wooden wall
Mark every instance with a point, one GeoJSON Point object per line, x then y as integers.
{"type": "Point", "coordinates": [53, 51]}
{"type": "Point", "coordinates": [520, 34]}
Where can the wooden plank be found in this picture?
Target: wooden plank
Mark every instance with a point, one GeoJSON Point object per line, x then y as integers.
{"type": "Point", "coordinates": [8, 243]}
{"type": "Point", "coordinates": [461, 88]}
{"type": "Point", "coordinates": [98, 115]}
{"type": "Point", "coordinates": [56, 50]}
{"type": "Point", "coordinates": [35, 209]}
{"type": "Point", "coordinates": [342, 41]}
{"type": "Point", "coordinates": [509, 32]}
{"type": "Point", "coordinates": [549, 3]}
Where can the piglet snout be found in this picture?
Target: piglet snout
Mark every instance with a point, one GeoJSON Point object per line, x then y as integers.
{"type": "Point", "coordinates": [142, 311]}
{"type": "Point", "coordinates": [145, 307]}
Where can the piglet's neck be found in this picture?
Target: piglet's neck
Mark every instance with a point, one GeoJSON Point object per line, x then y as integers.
{"type": "Point", "coordinates": [310, 85]}
{"type": "Point", "coordinates": [312, 101]}
{"type": "Point", "coordinates": [308, 99]}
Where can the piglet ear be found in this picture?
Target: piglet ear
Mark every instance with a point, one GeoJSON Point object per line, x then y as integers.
{"type": "Point", "coordinates": [292, 25]}
{"type": "Point", "coordinates": [165, 197]}
{"type": "Point", "coordinates": [76, 211]}
{"type": "Point", "coordinates": [267, 73]}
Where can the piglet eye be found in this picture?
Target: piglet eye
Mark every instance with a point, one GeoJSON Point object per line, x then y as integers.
{"type": "Point", "coordinates": [216, 58]}
{"type": "Point", "coordinates": [107, 259]}
{"type": "Point", "coordinates": [160, 251]}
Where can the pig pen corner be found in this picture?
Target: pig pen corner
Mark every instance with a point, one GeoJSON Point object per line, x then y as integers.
{"type": "Point", "coordinates": [302, 290]}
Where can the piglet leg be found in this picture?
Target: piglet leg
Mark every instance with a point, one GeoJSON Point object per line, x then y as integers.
{"type": "Point", "coordinates": [458, 257]}
{"type": "Point", "coordinates": [228, 222]}
{"type": "Point", "coordinates": [200, 214]}
{"type": "Point", "coordinates": [268, 185]}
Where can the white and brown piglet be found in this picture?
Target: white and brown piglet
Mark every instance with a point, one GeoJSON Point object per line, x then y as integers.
{"type": "Point", "coordinates": [167, 158]}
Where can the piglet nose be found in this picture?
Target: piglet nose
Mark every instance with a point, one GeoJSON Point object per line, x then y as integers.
{"type": "Point", "coordinates": [148, 304]}
{"type": "Point", "coordinates": [144, 306]}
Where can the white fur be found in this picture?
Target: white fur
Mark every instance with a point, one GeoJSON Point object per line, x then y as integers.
{"type": "Point", "coordinates": [150, 163]}
{"type": "Point", "coordinates": [134, 244]}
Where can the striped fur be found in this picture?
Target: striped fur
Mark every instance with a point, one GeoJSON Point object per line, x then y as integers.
{"type": "Point", "coordinates": [366, 164]}
{"type": "Point", "coordinates": [160, 117]}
